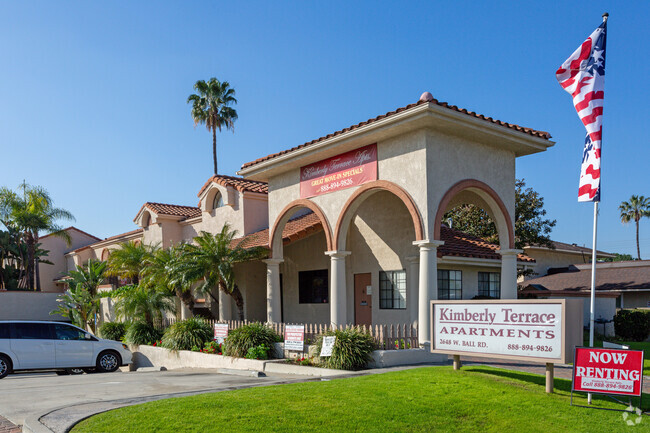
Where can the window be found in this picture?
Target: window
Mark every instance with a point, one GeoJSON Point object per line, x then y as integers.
{"type": "Point", "coordinates": [392, 290]}
{"type": "Point", "coordinates": [489, 284]}
{"type": "Point", "coordinates": [313, 287]}
{"type": "Point", "coordinates": [65, 332]}
{"type": "Point", "coordinates": [218, 201]}
{"type": "Point", "coordinates": [31, 331]}
{"type": "Point", "coordinates": [4, 331]}
{"type": "Point", "coordinates": [450, 284]}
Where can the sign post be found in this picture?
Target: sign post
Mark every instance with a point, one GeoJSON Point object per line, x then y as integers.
{"type": "Point", "coordinates": [543, 331]}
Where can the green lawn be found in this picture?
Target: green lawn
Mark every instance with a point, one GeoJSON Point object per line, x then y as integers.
{"type": "Point", "coordinates": [476, 399]}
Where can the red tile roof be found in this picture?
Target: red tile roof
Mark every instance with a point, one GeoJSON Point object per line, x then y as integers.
{"type": "Point", "coordinates": [239, 183]}
{"type": "Point", "coordinates": [456, 243]}
{"type": "Point", "coordinates": [529, 131]}
{"type": "Point", "coordinates": [295, 229]}
{"type": "Point", "coordinates": [627, 275]}
{"type": "Point", "coordinates": [463, 245]}
{"type": "Point", "coordinates": [171, 209]}
{"type": "Point", "coordinates": [122, 235]}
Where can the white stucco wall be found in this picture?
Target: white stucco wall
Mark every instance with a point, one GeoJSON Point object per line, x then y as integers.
{"type": "Point", "coordinates": [28, 306]}
{"type": "Point", "coordinates": [546, 259]}
{"type": "Point", "coordinates": [452, 159]}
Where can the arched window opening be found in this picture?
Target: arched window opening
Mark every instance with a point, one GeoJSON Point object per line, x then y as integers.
{"type": "Point", "coordinates": [217, 202]}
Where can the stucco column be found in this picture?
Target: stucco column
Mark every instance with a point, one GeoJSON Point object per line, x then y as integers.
{"type": "Point", "coordinates": [427, 286]}
{"type": "Point", "coordinates": [412, 279]}
{"type": "Point", "coordinates": [225, 306]}
{"type": "Point", "coordinates": [273, 307]}
{"type": "Point", "coordinates": [509, 273]}
{"type": "Point", "coordinates": [338, 288]}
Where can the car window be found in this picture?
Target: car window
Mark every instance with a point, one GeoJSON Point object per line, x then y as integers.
{"type": "Point", "coordinates": [4, 330]}
{"type": "Point", "coordinates": [31, 331]}
{"type": "Point", "coordinates": [65, 332]}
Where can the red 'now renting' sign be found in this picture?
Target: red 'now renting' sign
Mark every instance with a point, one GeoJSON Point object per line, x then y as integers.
{"type": "Point", "coordinates": [608, 371]}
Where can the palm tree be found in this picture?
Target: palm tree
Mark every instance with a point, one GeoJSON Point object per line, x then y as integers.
{"type": "Point", "coordinates": [129, 260]}
{"type": "Point", "coordinates": [635, 209]}
{"type": "Point", "coordinates": [32, 213]}
{"type": "Point", "coordinates": [210, 261]}
{"type": "Point", "coordinates": [211, 105]}
{"type": "Point", "coordinates": [160, 273]}
{"type": "Point", "coordinates": [137, 302]}
{"type": "Point", "coordinates": [80, 302]}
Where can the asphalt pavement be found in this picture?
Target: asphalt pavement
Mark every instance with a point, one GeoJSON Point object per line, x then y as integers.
{"type": "Point", "coordinates": [58, 402]}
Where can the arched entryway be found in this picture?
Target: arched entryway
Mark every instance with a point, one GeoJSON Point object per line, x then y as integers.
{"type": "Point", "coordinates": [478, 193]}
{"type": "Point", "coordinates": [305, 258]}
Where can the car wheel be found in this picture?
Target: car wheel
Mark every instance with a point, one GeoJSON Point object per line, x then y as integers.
{"type": "Point", "coordinates": [74, 370]}
{"type": "Point", "coordinates": [5, 366]}
{"type": "Point", "coordinates": [108, 362]}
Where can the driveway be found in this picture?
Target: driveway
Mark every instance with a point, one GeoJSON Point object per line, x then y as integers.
{"type": "Point", "coordinates": [60, 401]}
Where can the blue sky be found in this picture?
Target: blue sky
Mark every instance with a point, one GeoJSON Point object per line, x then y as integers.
{"type": "Point", "coordinates": [93, 94]}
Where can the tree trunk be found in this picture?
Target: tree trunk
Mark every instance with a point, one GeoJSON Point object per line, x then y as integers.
{"type": "Point", "coordinates": [37, 265]}
{"type": "Point", "coordinates": [214, 149]}
{"type": "Point", "coordinates": [29, 240]}
{"type": "Point", "coordinates": [186, 298]}
{"type": "Point", "coordinates": [239, 301]}
{"type": "Point", "coordinates": [638, 250]}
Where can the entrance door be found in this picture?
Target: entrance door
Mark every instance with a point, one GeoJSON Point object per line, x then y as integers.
{"type": "Point", "coordinates": [362, 299]}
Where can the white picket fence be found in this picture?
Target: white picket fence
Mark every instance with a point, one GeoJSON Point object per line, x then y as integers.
{"type": "Point", "coordinates": [387, 337]}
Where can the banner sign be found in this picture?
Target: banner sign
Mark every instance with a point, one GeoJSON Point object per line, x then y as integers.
{"type": "Point", "coordinates": [532, 330]}
{"type": "Point", "coordinates": [294, 337]}
{"type": "Point", "coordinates": [608, 371]}
{"type": "Point", "coordinates": [220, 332]}
{"type": "Point", "coordinates": [328, 345]}
{"type": "Point", "coordinates": [339, 172]}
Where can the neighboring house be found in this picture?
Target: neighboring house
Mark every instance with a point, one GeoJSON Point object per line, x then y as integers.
{"type": "Point", "coordinates": [558, 259]}
{"type": "Point", "coordinates": [352, 220]}
{"type": "Point", "coordinates": [58, 247]}
{"type": "Point", "coordinates": [618, 285]}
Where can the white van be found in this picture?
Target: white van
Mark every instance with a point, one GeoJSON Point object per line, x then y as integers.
{"type": "Point", "coordinates": [28, 345]}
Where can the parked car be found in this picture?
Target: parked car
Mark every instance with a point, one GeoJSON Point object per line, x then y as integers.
{"type": "Point", "coordinates": [28, 345]}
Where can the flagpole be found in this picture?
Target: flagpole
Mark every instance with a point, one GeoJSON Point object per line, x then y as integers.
{"type": "Point", "coordinates": [592, 308]}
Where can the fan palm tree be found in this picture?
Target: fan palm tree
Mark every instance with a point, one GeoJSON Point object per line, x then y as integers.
{"type": "Point", "coordinates": [32, 213]}
{"type": "Point", "coordinates": [160, 273]}
{"type": "Point", "coordinates": [211, 106]}
{"type": "Point", "coordinates": [129, 260]}
{"type": "Point", "coordinates": [633, 210]}
{"type": "Point", "coordinates": [210, 261]}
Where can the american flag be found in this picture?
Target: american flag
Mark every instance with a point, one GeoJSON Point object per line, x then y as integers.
{"type": "Point", "coordinates": [583, 76]}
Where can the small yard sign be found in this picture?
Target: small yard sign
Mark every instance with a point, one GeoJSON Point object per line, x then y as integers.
{"type": "Point", "coordinates": [220, 332]}
{"type": "Point", "coordinates": [294, 337]}
{"type": "Point", "coordinates": [328, 345]}
{"type": "Point", "coordinates": [608, 371]}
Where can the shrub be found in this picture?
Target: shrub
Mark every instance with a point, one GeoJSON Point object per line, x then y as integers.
{"type": "Point", "coordinates": [351, 350]}
{"type": "Point", "coordinates": [112, 330]}
{"type": "Point", "coordinates": [241, 340]}
{"type": "Point", "coordinates": [141, 333]}
{"type": "Point", "coordinates": [258, 352]}
{"type": "Point", "coordinates": [632, 325]}
{"type": "Point", "coordinates": [185, 334]}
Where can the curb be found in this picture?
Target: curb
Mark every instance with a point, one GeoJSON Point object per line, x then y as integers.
{"type": "Point", "coordinates": [33, 425]}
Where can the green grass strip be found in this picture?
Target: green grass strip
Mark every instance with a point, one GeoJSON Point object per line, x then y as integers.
{"type": "Point", "coordinates": [429, 399]}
